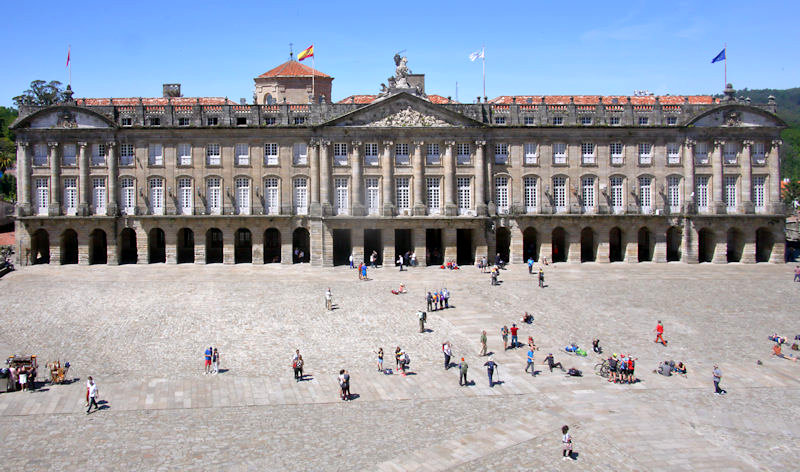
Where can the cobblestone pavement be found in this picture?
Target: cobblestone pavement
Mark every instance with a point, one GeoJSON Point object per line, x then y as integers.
{"type": "Point", "coordinates": [140, 331]}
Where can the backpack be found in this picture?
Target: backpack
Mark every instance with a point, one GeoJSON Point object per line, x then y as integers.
{"type": "Point", "coordinates": [580, 352]}
{"type": "Point", "coordinates": [574, 373]}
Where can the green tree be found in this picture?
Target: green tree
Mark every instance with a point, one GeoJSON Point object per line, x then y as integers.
{"type": "Point", "coordinates": [41, 93]}
{"type": "Point", "coordinates": [8, 188]}
{"type": "Point", "coordinates": [791, 193]}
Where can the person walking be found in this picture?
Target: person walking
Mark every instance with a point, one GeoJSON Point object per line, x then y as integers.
{"type": "Point", "coordinates": [429, 299]}
{"type": "Point", "coordinates": [435, 299]}
{"type": "Point", "coordinates": [363, 271]}
{"type": "Point", "coordinates": [447, 351]}
{"type": "Point", "coordinates": [530, 265]}
{"type": "Point", "coordinates": [462, 368]}
{"type": "Point", "coordinates": [207, 357]}
{"type": "Point", "coordinates": [215, 360]}
{"type": "Point", "coordinates": [483, 343]}
{"type": "Point", "coordinates": [490, 366]}
{"type": "Point", "coordinates": [400, 261]}
{"type": "Point", "coordinates": [346, 385]}
{"type": "Point", "coordinates": [92, 396]}
{"type": "Point", "coordinates": [380, 359]}
{"type": "Point", "coordinates": [514, 339]}
{"type": "Point", "coordinates": [446, 296]}
{"type": "Point", "coordinates": [566, 443]}
{"type": "Point", "coordinates": [530, 363]}
{"type": "Point", "coordinates": [373, 258]}
{"type": "Point", "coordinates": [422, 317]}
{"type": "Point", "coordinates": [298, 369]}
{"type": "Point", "coordinates": [340, 379]}
{"type": "Point", "coordinates": [541, 277]}
{"type": "Point", "coordinates": [797, 273]}
{"type": "Point", "coordinates": [660, 333]}
{"type": "Point", "coordinates": [352, 262]}
{"type": "Point", "coordinates": [504, 333]}
{"type": "Point", "coordinates": [717, 376]}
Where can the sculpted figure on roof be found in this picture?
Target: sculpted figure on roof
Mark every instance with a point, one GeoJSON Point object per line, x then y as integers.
{"type": "Point", "coordinates": [401, 71]}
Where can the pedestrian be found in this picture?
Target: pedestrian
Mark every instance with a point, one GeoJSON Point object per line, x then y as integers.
{"type": "Point", "coordinates": [435, 299]}
{"type": "Point", "coordinates": [530, 265]}
{"type": "Point", "coordinates": [566, 443]}
{"type": "Point", "coordinates": [215, 360]}
{"type": "Point", "coordinates": [413, 259]}
{"type": "Point", "coordinates": [797, 273]}
{"type": "Point", "coordinates": [328, 299]}
{"type": "Point", "coordinates": [483, 343]}
{"type": "Point", "coordinates": [514, 340]}
{"type": "Point", "coordinates": [490, 366]}
{"type": "Point", "coordinates": [380, 359]}
{"type": "Point", "coordinates": [400, 261]}
{"type": "Point", "coordinates": [358, 269]}
{"type": "Point", "coordinates": [447, 351]}
{"type": "Point", "coordinates": [717, 375]}
{"type": "Point", "coordinates": [660, 334]}
{"type": "Point", "coordinates": [541, 277]}
{"type": "Point", "coordinates": [397, 353]}
{"type": "Point", "coordinates": [299, 369]}
{"type": "Point", "coordinates": [429, 299]}
{"type": "Point", "coordinates": [530, 363]}
{"type": "Point", "coordinates": [373, 259]}
{"type": "Point", "coordinates": [462, 368]}
{"type": "Point", "coordinates": [422, 317]}
{"type": "Point", "coordinates": [596, 346]}
{"type": "Point", "coordinates": [207, 356]}
{"type": "Point", "coordinates": [363, 271]}
{"type": "Point", "coordinates": [446, 295]}
{"type": "Point", "coordinates": [352, 263]}
{"type": "Point", "coordinates": [295, 367]}
{"type": "Point", "coordinates": [504, 333]}
{"type": "Point", "coordinates": [346, 386]}
{"type": "Point", "coordinates": [92, 396]}
{"type": "Point", "coordinates": [340, 379]}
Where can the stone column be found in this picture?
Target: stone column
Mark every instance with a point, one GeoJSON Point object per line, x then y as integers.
{"type": "Point", "coordinates": [357, 243]}
{"type": "Point", "coordinates": [387, 184]}
{"type": "Point", "coordinates": [688, 176]}
{"type": "Point", "coordinates": [689, 243]}
{"type": "Point", "coordinates": [85, 182]}
{"type": "Point", "coordinates": [325, 177]}
{"type": "Point", "coordinates": [450, 243]}
{"type": "Point", "coordinates": [357, 207]}
{"type": "Point", "coordinates": [603, 247]}
{"type": "Point", "coordinates": [492, 207]}
{"type": "Point", "coordinates": [418, 171]}
{"type": "Point", "coordinates": [142, 240]}
{"type": "Point", "coordinates": [258, 249]}
{"type": "Point", "coordinates": [23, 179]}
{"type": "Point", "coordinates": [778, 255]}
{"type": "Point", "coordinates": [517, 246]}
{"type": "Point", "coordinates": [228, 248]}
{"type": "Point", "coordinates": [630, 243]}
{"type": "Point", "coordinates": [322, 251]}
{"type": "Point", "coordinates": [313, 158]}
{"type": "Point", "coordinates": [450, 205]}
{"type": "Point", "coordinates": [287, 252]}
{"type": "Point", "coordinates": [420, 246]}
{"type": "Point", "coordinates": [718, 204]}
{"type": "Point", "coordinates": [720, 249]}
{"type": "Point", "coordinates": [774, 163]}
{"type": "Point", "coordinates": [480, 178]}
{"type": "Point", "coordinates": [749, 250]}
{"type": "Point", "coordinates": [199, 247]}
{"type": "Point", "coordinates": [171, 247]}
{"type": "Point", "coordinates": [387, 237]}
{"type": "Point", "coordinates": [746, 203]}
{"type": "Point", "coordinates": [112, 256]}
{"type": "Point", "coordinates": [660, 247]}
{"type": "Point", "coordinates": [574, 241]}
{"type": "Point", "coordinates": [479, 242]}
{"type": "Point", "coordinates": [55, 182]}
{"type": "Point", "coordinates": [113, 182]}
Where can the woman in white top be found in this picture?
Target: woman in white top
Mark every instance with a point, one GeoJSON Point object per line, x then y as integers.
{"type": "Point", "coordinates": [566, 443]}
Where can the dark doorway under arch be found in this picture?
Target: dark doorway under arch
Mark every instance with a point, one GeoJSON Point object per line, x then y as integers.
{"type": "Point", "coordinates": [674, 236]}
{"type": "Point", "coordinates": [242, 246]}
{"type": "Point", "coordinates": [185, 247]}
{"type": "Point", "coordinates": [503, 239]}
{"type": "Point", "coordinates": [705, 245]}
{"type": "Point", "coordinates": [615, 251]}
{"type": "Point", "coordinates": [301, 250]}
{"type": "Point", "coordinates": [646, 244]}
{"type": "Point", "coordinates": [128, 253]}
{"type": "Point", "coordinates": [433, 246]}
{"type": "Point", "coordinates": [342, 247]}
{"type": "Point", "coordinates": [402, 243]}
{"type": "Point", "coordinates": [156, 246]}
{"type": "Point", "coordinates": [69, 247]}
{"type": "Point", "coordinates": [373, 243]}
{"type": "Point", "coordinates": [588, 245]}
{"type": "Point", "coordinates": [530, 245]}
{"type": "Point", "coordinates": [735, 246]}
{"type": "Point", "coordinates": [214, 240]}
{"type": "Point", "coordinates": [559, 238]}
{"type": "Point", "coordinates": [272, 246]}
{"type": "Point", "coordinates": [765, 242]}
{"type": "Point", "coordinates": [465, 254]}
{"type": "Point", "coordinates": [40, 247]}
{"type": "Point", "coordinates": [98, 247]}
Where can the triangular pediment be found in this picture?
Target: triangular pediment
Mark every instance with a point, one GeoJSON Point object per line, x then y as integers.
{"type": "Point", "coordinates": [64, 117]}
{"type": "Point", "coordinates": [734, 116]}
{"type": "Point", "coordinates": [404, 111]}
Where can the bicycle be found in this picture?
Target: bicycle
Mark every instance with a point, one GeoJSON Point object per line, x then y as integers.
{"type": "Point", "coordinates": [602, 369]}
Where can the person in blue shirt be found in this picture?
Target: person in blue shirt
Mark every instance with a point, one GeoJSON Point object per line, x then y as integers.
{"type": "Point", "coordinates": [490, 366]}
{"type": "Point", "coordinates": [208, 353]}
{"type": "Point", "coordinates": [530, 363]}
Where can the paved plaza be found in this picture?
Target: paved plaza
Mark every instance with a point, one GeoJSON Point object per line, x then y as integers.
{"type": "Point", "coordinates": [140, 331]}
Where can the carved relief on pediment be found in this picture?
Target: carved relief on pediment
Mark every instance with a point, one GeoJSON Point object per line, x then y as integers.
{"type": "Point", "coordinates": [408, 118]}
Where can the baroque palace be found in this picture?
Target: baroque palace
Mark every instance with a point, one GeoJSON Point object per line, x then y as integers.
{"type": "Point", "coordinates": [297, 178]}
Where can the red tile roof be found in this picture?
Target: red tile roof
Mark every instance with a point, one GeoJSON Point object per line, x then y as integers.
{"type": "Point", "coordinates": [131, 101]}
{"type": "Point", "coordinates": [293, 69]}
{"type": "Point", "coordinates": [610, 99]}
{"type": "Point", "coordinates": [365, 99]}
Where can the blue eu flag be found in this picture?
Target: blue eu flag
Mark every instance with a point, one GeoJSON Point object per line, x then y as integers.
{"type": "Point", "coordinates": [720, 56]}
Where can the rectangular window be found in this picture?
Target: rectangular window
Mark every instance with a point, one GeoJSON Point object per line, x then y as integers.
{"type": "Point", "coordinates": [759, 191]}
{"type": "Point", "coordinates": [730, 192]}
{"type": "Point", "coordinates": [587, 153]}
{"type": "Point", "coordinates": [340, 154]}
{"type": "Point", "coordinates": [558, 120]}
{"type": "Point", "coordinates": [501, 194]}
{"type": "Point", "coordinates": [644, 121]}
{"type": "Point", "coordinates": [127, 122]}
{"type": "Point", "coordinates": [560, 193]}
{"type": "Point", "coordinates": [559, 153]}
{"type": "Point", "coordinates": [371, 154]}
{"type": "Point", "coordinates": [528, 121]}
{"type": "Point", "coordinates": [185, 196]}
{"type": "Point", "coordinates": [155, 155]}
{"type": "Point", "coordinates": [40, 154]}
{"type": "Point", "coordinates": [341, 196]}
{"type": "Point", "coordinates": [616, 195]}
{"type": "Point", "coordinates": [586, 120]}
{"type": "Point", "coordinates": [701, 192]}
{"type": "Point", "coordinates": [373, 195]}
{"type": "Point", "coordinates": [464, 195]}
{"type": "Point", "coordinates": [69, 155]}
{"type": "Point", "coordinates": [616, 153]}
{"type": "Point", "coordinates": [463, 153]}
{"type": "Point", "coordinates": [184, 154]}
{"type": "Point", "coordinates": [299, 120]}
{"type": "Point", "coordinates": [183, 121]}
{"type": "Point", "coordinates": [672, 120]}
{"type": "Point", "coordinates": [531, 151]}
{"type": "Point", "coordinates": [127, 196]}
{"type": "Point", "coordinates": [587, 194]}
{"type": "Point", "coordinates": [673, 153]}
{"type": "Point", "coordinates": [270, 121]}
{"type": "Point", "coordinates": [300, 195]}
{"type": "Point", "coordinates": [271, 154]}
{"type": "Point", "coordinates": [499, 120]}
{"type": "Point", "coordinates": [729, 152]}
{"type": "Point", "coordinates": [156, 186]}
{"type": "Point", "coordinates": [242, 154]}
{"type": "Point", "coordinates": [214, 195]}
{"type": "Point", "coordinates": [501, 153]}
{"type": "Point", "coordinates": [212, 121]}
{"type": "Point", "coordinates": [531, 195]}
{"type": "Point", "coordinates": [645, 153]}
{"type": "Point", "coordinates": [613, 121]}
{"type": "Point", "coordinates": [434, 195]}
{"type": "Point", "coordinates": [126, 154]}
{"type": "Point", "coordinates": [645, 195]}
{"type": "Point", "coordinates": [98, 154]}
{"type": "Point", "coordinates": [701, 154]}
{"type": "Point", "coordinates": [300, 154]}
{"type": "Point", "coordinates": [42, 196]}
{"type": "Point", "coordinates": [401, 154]}
{"type": "Point", "coordinates": [70, 195]}
{"type": "Point", "coordinates": [213, 157]}
{"type": "Point", "coordinates": [674, 194]}
{"type": "Point", "coordinates": [99, 195]}
{"type": "Point", "coordinates": [759, 153]}
{"type": "Point", "coordinates": [402, 193]}
{"type": "Point", "coordinates": [271, 196]}
{"type": "Point", "coordinates": [432, 156]}
{"type": "Point", "coordinates": [242, 195]}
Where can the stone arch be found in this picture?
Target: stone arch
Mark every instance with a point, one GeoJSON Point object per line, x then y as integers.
{"type": "Point", "coordinates": [560, 244]}
{"type": "Point", "coordinates": [272, 245]}
{"type": "Point", "coordinates": [242, 246]}
{"type": "Point", "coordinates": [706, 241]}
{"type": "Point", "coordinates": [214, 240]}
{"type": "Point", "coordinates": [588, 245]}
{"type": "Point", "coordinates": [301, 246]}
{"type": "Point", "coordinates": [616, 252]}
{"type": "Point", "coordinates": [530, 244]}
{"type": "Point", "coordinates": [98, 247]}
{"type": "Point", "coordinates": [69, 247]}
{"type": "Point", "coordinates": [647, 244]}
{"type": "Point", "coordinates": [674, 236]}
{"type": "Point", "coordinates": [735, 246]}
{"type": "Point", "coordinates": [156, 246]}
{"type": "Point", "coordinates": [342, 246]}
{"type": "Point", "coordinates": [127, 246]}
{"type": "Point", "coordinates": [185, 246]}
{"type": "Point", "coordinates": [503, 241]}
{"type": "Point", "coordinates": [40, 247]}
{"type": "Point", "coordinates": [765, 241]}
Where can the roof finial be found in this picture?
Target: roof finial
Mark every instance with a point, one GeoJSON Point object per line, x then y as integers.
{"type": "Point", "coordinates": [291, 51]}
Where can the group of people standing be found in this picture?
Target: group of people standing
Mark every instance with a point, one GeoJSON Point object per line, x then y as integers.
{"type": "Point", "coordinates": [211, 357]}
{"type": "Point", "coordinates": [438, 300]}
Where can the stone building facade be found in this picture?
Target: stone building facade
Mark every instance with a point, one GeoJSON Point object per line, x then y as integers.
{"type": "Point", "coordinates": [584, 178]}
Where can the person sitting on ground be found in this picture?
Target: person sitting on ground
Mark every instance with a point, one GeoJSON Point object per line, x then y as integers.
{"type": "Point", "coordinates": [400, 290]}
{"type": "Point", "coordinates": [680, 368]}
{"type": "Point", "coordinates": [776, 351]}
{"type": "Point", "coordinates": [777, 339]}
{"type": "Point", "coordinates": [527, 318]}
{"type": "Point", "coordinates": [551, 363]}
{"type": "Point", "coordinates": [573, 372]}
{"type": "Point", "coordinates": [596, 346]}
{"type": "Point", "coordinates": [664, 369]}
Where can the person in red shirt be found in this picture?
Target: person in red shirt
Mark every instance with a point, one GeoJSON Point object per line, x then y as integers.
{"type": "Point", "coordinates": [660, 333]}
{"type": "Point", "coordinates": [514, 340]}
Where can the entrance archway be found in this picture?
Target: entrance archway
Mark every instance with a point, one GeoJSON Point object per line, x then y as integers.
{"type": "Point", "coordinates": [127, 247]}
{"type": "Point", "coordinates": [503, 238]}
{"type": "Point", "coordinates": [40, 247]}
{"type": "Point", "coordinates": [185, 249]}
{"type": "Point", "coordinates": [98, 247]}
{"type": "Point", "coordinates": [764, 244]}
{"type": "Point", "coordinates": [156, 246]}
{"type": "Point", "coordinates": [615, 252]}
{"type": "Point", "coordinates": [465, 255]}
{"type": "Point", "coordinates": [272, 246]}
{"type": "Point", "coordinates": [646, 244]}
{"type": "Point", "coordinates": [301, 251]}
{"type": "Point", "coordinates": [530, 245]}
{"type": "Point", "coordinates": [373, 243]}
{"type": "Point", "coordinates": [69, 247]}
{"type": "Point", "coordinates": [433, 246]}
{"type": "Point", "coordinates": [588, 245]}
{"type": "Point", "coordinates": [705, 245]}
{"type": "Point", "coordinates": [214, 246]}
{"type": "Point", "coordinates": [243, 246]}
{"type": "Point", "coordinates": [735, 245]}
{"type": "Point", "coordinates": [559, 238]}
{"type": "Point", "coordinates": [674, 236]}
{"type": "Point", "coordinates": [402, 243]}
{"type": "Point", "coordinates": [342, 247]}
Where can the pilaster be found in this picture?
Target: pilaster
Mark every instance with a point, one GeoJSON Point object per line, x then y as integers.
{"type": "Point", "coordinates": [23, 179]}
{"type": "Point", "coordinates": [746, 204]}
{"type": "Point", "coordinates": [420, 246]}
{"type": "Point", "coordinates": [517, 245]}
{"type": "Point", "coordinates": [387, 237]}
{"type": "Point", "coordinates": [718, 204]}
{"type": "Point", "coordinates": [228, 249]}
{"type": "Point", "coordinates": [450, 206]}
{"type": "Point", "coordinates": [84, 184]}
{"type": "Point", "coordinates": [450, 244]}
{"type": "Point", "coordinates": [55, 181]}
{"type": "Point", "coordinates": [660, 247]}
{"type": "Point", "coordinates": [199, 248]}
{"type": "Point", "coordinates": [325, 177]}
{"type": "Point", "coordinates": [479, 243]}
{"type": "Point", "coordinates": [418, 172]}
{"type": "Point", "coordinates": [630, 243]}
{"type": "Point", "coordinates": [113, 180]}
{"type": "Point", "coordinates": [773, 161]}
{"type": "Point", "coordinates": [689, 243]}
{"type": "Point", "coordinates": [357, 245]}
{"type": "Point", "coordinates": [313, 158]}
{"type": "Point", "coordinates": [287, 249]}
{"type": "Point", "coordinates": [387, 179]}
{"type": "Point", "coordinates": [480, 178]}
{"type": "Point", "coordinates": [688, 176]}
{"type": "Point", "coordinates": [357, 207]}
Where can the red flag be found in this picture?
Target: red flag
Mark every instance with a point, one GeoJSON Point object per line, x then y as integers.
{"type": "Point", "coordinates": [68, 50]}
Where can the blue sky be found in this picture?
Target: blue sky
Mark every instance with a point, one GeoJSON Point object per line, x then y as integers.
{"type": "Point", "coordinates": [532, 47]}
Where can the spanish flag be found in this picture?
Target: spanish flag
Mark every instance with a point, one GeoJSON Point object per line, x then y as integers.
{"type": "Point", "coordinates": [308, 52]}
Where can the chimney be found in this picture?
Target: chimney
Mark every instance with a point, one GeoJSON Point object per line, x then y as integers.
{"type": "Point", "coordinates": [171, 90]}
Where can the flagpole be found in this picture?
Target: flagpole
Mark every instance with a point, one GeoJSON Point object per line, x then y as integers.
{"type": "Point", "coordinates": [726, 67]}
{"type": "Point", "coordinates": [69, 64]}
{"type": "Point", "coordinates": [483, 61]}
{"type": "Point", "coordinates": [313, 68]}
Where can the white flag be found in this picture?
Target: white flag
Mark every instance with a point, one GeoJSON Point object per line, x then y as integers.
{"type": "Point", "coordinates": [476, 55]}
